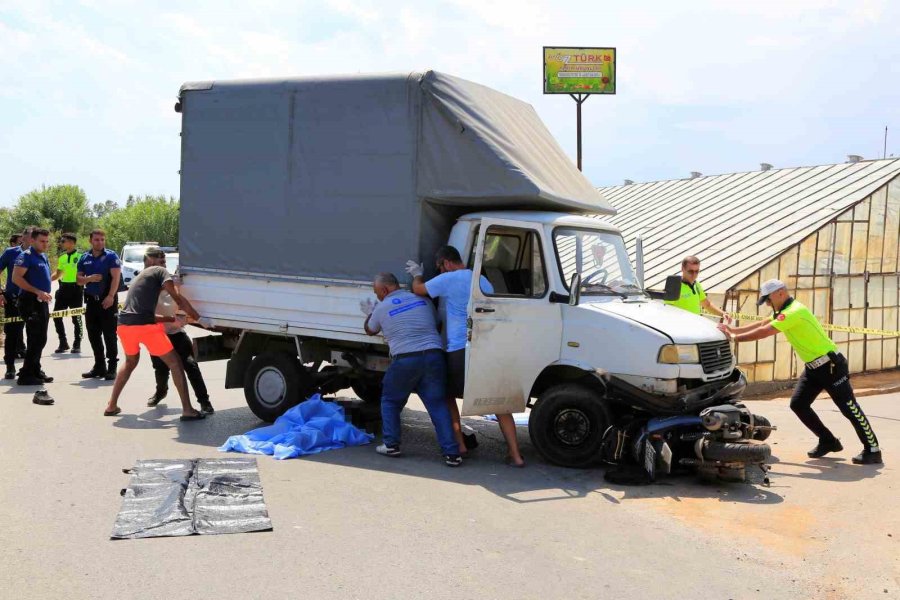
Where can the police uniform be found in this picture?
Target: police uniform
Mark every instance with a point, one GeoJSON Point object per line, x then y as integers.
{"type": "Point", "coordinates": [35, 313]}
{"type": "Point", "coordinates": [14, 332]}
{"type": "Point", "coordinates": [69, 295]}
{"type": "Point", "coordinates": [826, 369]}
{"type": "Point", "coordinates": [101, 322]}
{"type": "Point", "coordinates": [691, 298]}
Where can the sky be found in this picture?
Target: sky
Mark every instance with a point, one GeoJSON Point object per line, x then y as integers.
{"type": "Point", "coordinates": [87, 87]}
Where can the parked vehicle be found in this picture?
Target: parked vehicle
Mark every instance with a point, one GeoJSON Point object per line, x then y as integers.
{"type": "Point", "coordinates": [295, 193]}
{"type": "Point", "coordinates": [132, 257]}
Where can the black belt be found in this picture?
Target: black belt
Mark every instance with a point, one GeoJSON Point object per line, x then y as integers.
{"type": "Point", "coordinates": [68, 284]}
{"type": "Point", "coordinates": [419, 353]}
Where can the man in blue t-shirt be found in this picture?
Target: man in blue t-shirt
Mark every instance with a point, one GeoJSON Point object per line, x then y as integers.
{"type": "Point", "coordinates": [32, 276]}
{"type": "Point", "coordinates": [454, 287]}
{"type": "Point", "coordinates": [13, 332]}
{"type": "Point", "coordinates": [417, 363]}
{"type": "Point", "coordinates": [100, 271]}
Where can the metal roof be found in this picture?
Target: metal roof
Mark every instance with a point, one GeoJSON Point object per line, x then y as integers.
{"type": "Point", "coordinates": [736, 223]}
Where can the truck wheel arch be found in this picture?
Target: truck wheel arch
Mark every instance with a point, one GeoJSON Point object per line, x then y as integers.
{"type": "Point", "coordinates": [567, 372]}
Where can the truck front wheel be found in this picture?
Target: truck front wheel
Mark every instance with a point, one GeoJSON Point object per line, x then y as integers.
{"type": "Point", "coordinates": [274, 382]}
{"type": "Point", "coordinates": [567, 425]}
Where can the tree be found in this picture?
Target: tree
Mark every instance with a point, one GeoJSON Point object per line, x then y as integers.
{"type": "Point", "coordinates": [144, 218]}
{"type": "Point", "coordinates": [59, 208]}
{"type": "Point", "coordinates": [101, 209]}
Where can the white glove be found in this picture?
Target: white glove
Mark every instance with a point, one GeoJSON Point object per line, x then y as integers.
{"type": "Point", "coordinates": [205, 322]}
{"type": "Point", "coordinates": [415, 269]}
{"type": "Point", "coordinates": [367, 306]}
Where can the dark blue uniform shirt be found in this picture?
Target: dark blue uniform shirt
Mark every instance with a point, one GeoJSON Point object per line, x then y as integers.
{"type": "Point", "coordinates": [8, 262]}
{"type": "Point", "coordinates": [94, 265]}
{"type": "Point", "coordinates": [38, 273]}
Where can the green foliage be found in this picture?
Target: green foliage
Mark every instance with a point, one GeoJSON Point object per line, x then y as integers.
{"type": "Point", "coordinates": [101, 209]}
{"type": "Point", "coordinates": [143, 218]}
{"type": "Point", "coordinates": [59, 208]}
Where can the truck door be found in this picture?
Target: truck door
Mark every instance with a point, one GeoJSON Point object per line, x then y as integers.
{"type": "Point", "coordinates": [514, 330]}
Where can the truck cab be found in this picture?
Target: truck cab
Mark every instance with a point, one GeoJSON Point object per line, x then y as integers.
{"type": "Point", "coordinates": [536, 336]}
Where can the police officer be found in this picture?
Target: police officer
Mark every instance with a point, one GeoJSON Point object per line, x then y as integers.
{"type": "Point", "coordinates": [693, 298]}
{"type": "Point", "coordinates": [826, 369]}
{"type": "Point", "coordinates": [100, 271]}
{"type": "Point", "coordinates": [32, 275]}
{"type": "Point", "coordinates": [70, 294]}
{"type": "Point", "coordinates": [9, 301]}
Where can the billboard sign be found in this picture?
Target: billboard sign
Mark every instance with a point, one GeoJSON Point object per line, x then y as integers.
{"type": "Point", "coordinates": [579, 70]}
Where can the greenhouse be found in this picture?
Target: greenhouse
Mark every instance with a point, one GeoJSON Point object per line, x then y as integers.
{"type": "Point", "coordinates": [831, 232]}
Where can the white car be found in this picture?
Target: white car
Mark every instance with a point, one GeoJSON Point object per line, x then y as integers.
{"type": "Point", "coordinates": [133, 259]}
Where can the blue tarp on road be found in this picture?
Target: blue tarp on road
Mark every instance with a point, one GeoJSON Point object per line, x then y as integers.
{"type": "Point", "coordinates": [308, 428]}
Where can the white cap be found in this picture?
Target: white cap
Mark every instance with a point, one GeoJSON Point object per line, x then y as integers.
{"type": "Point", "coordinates": [772, 285]}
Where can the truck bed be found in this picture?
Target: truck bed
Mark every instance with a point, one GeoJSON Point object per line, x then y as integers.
{"type": "Point", "coordinates": [258, 302]}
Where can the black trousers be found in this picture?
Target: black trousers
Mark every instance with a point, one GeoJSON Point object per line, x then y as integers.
{"type": "Point", "coordinates": [185, 349]}
{"type": "Point", "coordinates": [101, 331]}
{"type": "Point", "coordinates": [37, 320]}
{"type": "Point", "coordinates": [69, 295]}
{"type": "Point", "coordinates": [834, 378]}
{"type": "Point", "coordinates": [14, 332]}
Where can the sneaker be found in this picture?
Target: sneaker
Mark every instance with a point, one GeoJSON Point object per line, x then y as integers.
{"type": "Point", "coordinates": [388, 450]}
{"type": "Point", "coordinates": [452, 460]}
{"type": "Point", "coordinates": [156, 398]}
{"type": "Point", "coordinates": [868, 457]}
{"type": "Point", "coordinates": [63, 347]}
{"type": "Point", "coordinates": [76, 348]}
{"type": "Point", "coordinates": [93, 374]}
{"type": "Point", "coordinates": [42, 398]}
{"type": "Point", "coordinates": [206, 407]}
{"type": "Point", "coordinates": [824, 447]}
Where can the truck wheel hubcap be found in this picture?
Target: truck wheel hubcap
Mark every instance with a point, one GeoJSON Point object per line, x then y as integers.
{"type": "Point", "coordinates": [270, 386]}
{"type": "Point", "coordinates": [572, 426]}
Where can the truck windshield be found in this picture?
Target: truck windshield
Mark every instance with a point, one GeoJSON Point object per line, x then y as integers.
{"type": "Point", "coordinates": [599, 256]}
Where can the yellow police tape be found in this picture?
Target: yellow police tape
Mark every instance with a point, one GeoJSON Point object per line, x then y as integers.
{"type": "Point", "coordinates": [59, 314]}
{"type": "Point", "coordinates": [826, 326]}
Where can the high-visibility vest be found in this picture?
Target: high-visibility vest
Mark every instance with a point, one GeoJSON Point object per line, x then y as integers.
{"type": "Point", "coordinates": [68, 264]}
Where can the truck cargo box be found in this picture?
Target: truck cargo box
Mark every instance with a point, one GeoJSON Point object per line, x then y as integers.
{"type": "Point", "coordinates": [338, 178]}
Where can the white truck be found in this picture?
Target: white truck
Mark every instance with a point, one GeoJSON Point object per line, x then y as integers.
{"type": "Point", "coordinates": [296, 192]}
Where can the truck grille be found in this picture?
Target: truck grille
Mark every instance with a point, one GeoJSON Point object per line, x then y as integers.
{"type": "Point", "coordinates": [715, 356]}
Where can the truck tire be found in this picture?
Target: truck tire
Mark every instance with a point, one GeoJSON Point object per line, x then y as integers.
{"type": "Point", "coordinates": [733, 452]}
{"type": "Point", "coordinates": [368, 390]}
{"type": "Point", "coordinates": [274, 382]}
{"type": "Point", "coordinates": [567, 425]}
{"type": "Point", "coordinates": [764, 434]}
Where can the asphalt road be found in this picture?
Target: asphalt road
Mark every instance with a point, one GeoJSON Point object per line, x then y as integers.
{"type": "Point", "coordinates": [352, 524]}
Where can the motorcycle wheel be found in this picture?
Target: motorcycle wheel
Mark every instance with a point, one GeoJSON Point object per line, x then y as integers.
{"type": "Point", "coordinates": [764, 434]}
{"type": "Point", "coordinates": [734, 452]}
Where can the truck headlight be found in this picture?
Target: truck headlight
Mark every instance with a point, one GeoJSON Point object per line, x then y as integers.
{"type": "Point", "coordinates": [674, 354]}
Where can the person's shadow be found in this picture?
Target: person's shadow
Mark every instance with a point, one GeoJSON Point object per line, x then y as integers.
{"type": "Point", "coordinates": [833, 469]}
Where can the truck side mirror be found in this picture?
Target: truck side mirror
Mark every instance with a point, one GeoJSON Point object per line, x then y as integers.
{"type": "Point", "coordinates": [673, 288]}
{"type": "Point", "coordinates": [575, 289]}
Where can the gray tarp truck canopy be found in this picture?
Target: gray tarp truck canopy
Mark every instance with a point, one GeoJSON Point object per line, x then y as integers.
{"type": "Point", "coordinates": [340, 178]}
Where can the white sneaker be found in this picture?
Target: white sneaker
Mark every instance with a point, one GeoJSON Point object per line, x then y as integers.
{"type": "Point", "coordinates": [388, 450]}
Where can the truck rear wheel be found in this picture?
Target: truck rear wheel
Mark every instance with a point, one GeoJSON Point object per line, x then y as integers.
{"type": "Point", "coordinates": [567, 425]}
{"type": "Point", "coordinates": [368, 390]}
{"type": "Point", "coordinates": [274, 382]}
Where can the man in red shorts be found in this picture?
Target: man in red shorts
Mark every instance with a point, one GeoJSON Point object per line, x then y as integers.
{"type": "Point", "coordinates": [138, 326]}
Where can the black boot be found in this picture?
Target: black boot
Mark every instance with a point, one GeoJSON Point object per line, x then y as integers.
{"type": "Point", "coordinates": [63, 347]}
{"type": "Point", "coordinates": [868, 457]}
{"type": "Point", "coordinates": [76, 347]}
{"type": "Point", "coordinates": [824, 447]}
{"type": "Point", "coordinates": [10, 372]}
{"type": "Point", "coordinates": [94, 373]}
{"type": "Point", "coordinates": [110, 372]}
{"type": "Point", "coordinates": [206, 407]}
{"type": "Point", "coordinates": [157, 397]}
